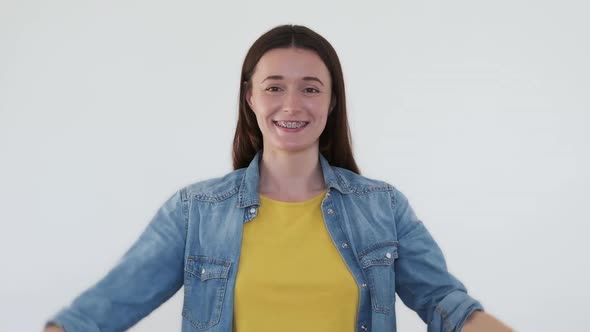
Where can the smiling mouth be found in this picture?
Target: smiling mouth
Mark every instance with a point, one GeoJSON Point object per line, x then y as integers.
{"type": "Point", "coordinates": [291, 124]}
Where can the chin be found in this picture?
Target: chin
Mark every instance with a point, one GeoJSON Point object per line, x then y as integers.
{"type": "Point", "coordinates": [294, 148]}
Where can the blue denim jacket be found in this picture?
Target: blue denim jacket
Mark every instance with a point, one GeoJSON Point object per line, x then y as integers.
{"type": "Point", "coordinates": [194, 241]}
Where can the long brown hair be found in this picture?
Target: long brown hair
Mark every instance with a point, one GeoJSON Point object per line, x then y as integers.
{"type": "Point", "coordinates": [335, 140]}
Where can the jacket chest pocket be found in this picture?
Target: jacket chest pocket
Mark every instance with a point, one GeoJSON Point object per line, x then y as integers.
{"type": "Point", "coordinates": [377, 263]}
{"type": "Point", "coordinates": [205, 282]}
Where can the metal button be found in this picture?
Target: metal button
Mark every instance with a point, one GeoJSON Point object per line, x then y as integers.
{"type": "Point", "coordinates": [344, 245]}
{"type": "Point", "coordinates": [330, 211]}
{"type": "Point", "coordinates": [364, 328]}
{"type": "Point", "coordinates": [252, 210]}
{"type": "Point", "coordinates": [388, 255]}
{"type": "Point", "coordinates": [364, 285]}
{"type": "Point", "coordinates": [203, 271]}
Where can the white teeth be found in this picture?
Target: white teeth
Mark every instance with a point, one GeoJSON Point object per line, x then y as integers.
{"type": "Point", "coordinates": [291, 124]}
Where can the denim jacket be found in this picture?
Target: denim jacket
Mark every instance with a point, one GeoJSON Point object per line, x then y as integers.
{"type": "Point", "coordinates": [194, 241]}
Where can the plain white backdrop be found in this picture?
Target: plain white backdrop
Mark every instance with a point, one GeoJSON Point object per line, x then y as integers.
{"type": "Point", "coordinates": [477, 111]}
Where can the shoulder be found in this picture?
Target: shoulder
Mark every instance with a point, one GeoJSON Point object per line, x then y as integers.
{"type": "Point", "coordinates": [353, 183]}
{"type": "Point", "coordinates": [216, 189]}
{"type": "Point", "coordinates": [356, 183]}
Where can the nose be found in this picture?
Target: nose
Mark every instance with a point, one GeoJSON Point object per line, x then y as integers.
{"type": "Point", "coordinates": [292, 101]}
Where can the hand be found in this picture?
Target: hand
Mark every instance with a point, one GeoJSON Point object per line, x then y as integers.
{"type": "Point", "coordinates": [481, 321]}
{"type": "Point", "coordinates": [53, 328]}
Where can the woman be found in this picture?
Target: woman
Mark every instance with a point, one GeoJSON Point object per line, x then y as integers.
{"type": "Point", "coordinates": [294, 238]}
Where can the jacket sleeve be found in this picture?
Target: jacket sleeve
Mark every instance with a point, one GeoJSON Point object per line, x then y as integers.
{"type": "Point", "coordinates": [147, 275]}
{"type": "Point", "coordinates": [422, 280]}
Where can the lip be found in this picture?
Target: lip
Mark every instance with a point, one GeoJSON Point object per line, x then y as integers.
{"type": "Point", "coordinates": [290, 130]}
{"type": "Point", "coordinates": [276, 121]}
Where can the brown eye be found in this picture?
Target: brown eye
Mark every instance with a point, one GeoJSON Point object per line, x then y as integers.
{"type": "Point", "coordinates": [311, 90]}
{"type": "Point", "coordinates": [273, 89]}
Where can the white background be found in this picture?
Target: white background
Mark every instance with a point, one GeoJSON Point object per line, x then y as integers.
{"type": "Point", "coordinates": [477, 110]}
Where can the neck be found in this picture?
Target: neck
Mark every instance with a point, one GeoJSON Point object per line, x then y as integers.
{"type": "Point", "coordinates": [291, 175]}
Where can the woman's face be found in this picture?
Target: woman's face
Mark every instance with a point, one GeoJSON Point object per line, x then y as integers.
{"type": "Point", "coordinates": [290, 94]}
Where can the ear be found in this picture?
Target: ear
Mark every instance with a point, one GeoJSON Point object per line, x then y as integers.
{"type": "Point", "coordinates": [332, 104]}
{"type": "Point", "coordinates": [249, 97]}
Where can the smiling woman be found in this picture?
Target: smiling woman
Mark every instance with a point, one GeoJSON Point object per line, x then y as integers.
{"type": "Point", "coordinates": [291, 108]}
{"type": "Point", "coordinates": [294, 239]}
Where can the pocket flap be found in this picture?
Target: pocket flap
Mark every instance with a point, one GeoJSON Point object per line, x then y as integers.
{"type": "Point", "coordinates": [383, 253]}
{"type": "Point", "coordinates": [206, 268]}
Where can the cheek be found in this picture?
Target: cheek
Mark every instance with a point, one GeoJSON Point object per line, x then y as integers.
{"type": "Point", "coordinates": [266, 101]}
{"type": "Point", "coordinates": [319, 107]}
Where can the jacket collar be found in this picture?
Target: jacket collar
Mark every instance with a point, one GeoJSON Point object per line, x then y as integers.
{"type": "Point", "coordinates": [248, 192]}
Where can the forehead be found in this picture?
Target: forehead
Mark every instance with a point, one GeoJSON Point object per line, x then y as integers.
{"type": "Point", "coordinates": [292, 63]}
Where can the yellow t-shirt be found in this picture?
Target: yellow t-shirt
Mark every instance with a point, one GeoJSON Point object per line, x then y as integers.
{"type": "Point", "coordinates": [291, 277]}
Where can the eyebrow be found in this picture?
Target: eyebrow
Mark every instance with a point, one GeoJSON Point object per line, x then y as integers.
{"type": "Point", "coordinates": [305, 78]}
